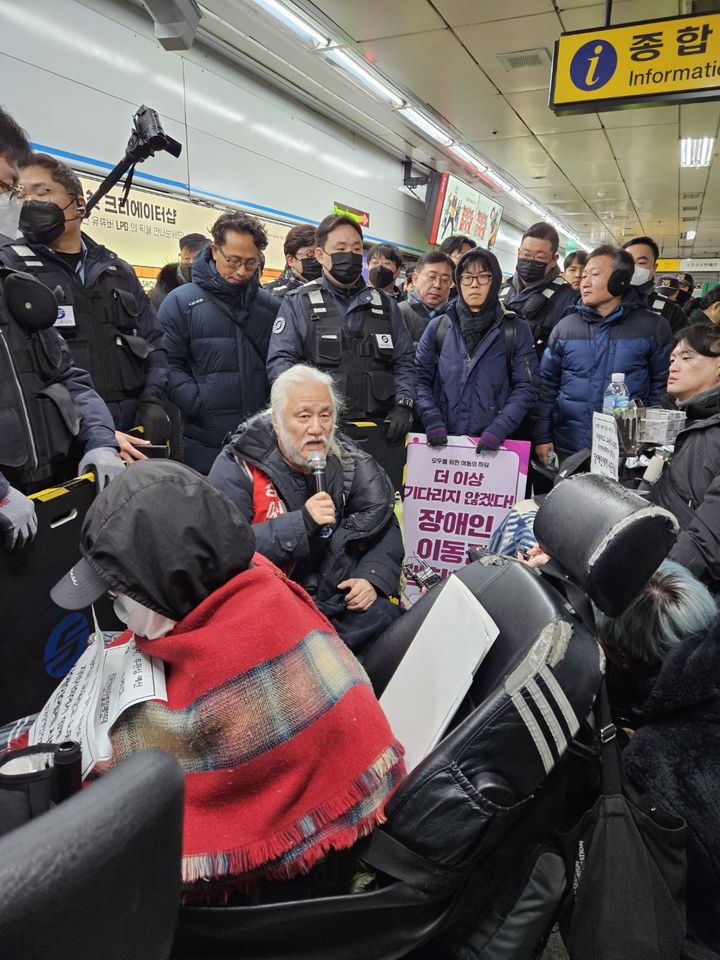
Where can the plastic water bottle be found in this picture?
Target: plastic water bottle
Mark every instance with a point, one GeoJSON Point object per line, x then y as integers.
{"type": "Point", "coordinates": [617, 398]}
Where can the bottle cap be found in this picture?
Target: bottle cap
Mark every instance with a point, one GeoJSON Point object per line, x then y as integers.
{"type": "Point", "coordinates": [618, 378]}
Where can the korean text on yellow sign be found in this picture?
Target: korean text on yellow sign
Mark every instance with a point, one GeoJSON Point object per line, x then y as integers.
{"type": "Point", "coordinates": [666, 61]}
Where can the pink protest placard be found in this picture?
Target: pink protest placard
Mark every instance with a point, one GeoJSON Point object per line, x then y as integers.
{"type": "Point", "coordinates": [455, 498]}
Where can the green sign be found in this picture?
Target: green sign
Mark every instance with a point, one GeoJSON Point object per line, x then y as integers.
{"type": "Point", "coordinates": [359, 216]}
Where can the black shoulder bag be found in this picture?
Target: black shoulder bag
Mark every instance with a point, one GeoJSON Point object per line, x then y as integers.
{"type": "Point", "coordinates": [626, 869]}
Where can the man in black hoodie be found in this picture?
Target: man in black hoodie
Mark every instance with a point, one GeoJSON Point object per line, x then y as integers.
{"type": "Point", "coordinates": [174, 275]}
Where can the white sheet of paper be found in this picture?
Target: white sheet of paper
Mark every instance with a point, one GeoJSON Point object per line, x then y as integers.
{"type": "Point", "coordinates": [100, 687]}
{"type": "Point", "coordinates": [437, 670]}
{"type": "Point", "coordinates": [605, 455]}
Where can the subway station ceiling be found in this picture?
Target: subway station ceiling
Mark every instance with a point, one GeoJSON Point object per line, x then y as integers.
{"type": "Point", "coordinates": [607, 176]}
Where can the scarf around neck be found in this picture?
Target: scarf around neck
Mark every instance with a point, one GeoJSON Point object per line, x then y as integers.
{"type": "Point", "coordinates": [474, 326]}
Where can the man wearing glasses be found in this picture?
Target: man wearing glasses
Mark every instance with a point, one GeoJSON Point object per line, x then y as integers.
{"type": "Point", "coordinates": [476, 364]}
{"type": "Point", "coordinates": [50, 415]}
{"type": "Point", "coordinates": [431, 282]}
{"type": "Point", "coordinates": [217, 332]}
{"type": "Point", "coordinates": [537, 291]}
{"type": "Point", "coordinates": [103, 313]}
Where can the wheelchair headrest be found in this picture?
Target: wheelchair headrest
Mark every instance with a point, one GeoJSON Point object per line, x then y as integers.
{"type": "Point", "coordinates": [608, 539]}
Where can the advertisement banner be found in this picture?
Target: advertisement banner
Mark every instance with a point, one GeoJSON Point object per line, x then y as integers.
{"type": "Point", "coordinates": [672, 60]}
{"type": "Point", "coordinates": [146, 231]}
{"type": "Point", "coordinates": [463, 209]}
{"type": "Point", "coordinates": [456, 498]}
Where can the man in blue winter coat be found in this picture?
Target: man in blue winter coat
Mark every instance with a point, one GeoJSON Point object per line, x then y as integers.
{"type": "Point", "coordinates": [217, 331]}
{"type": "Point", "coordinates": [610, 331]}
{"type": "Point", "coordinates": [476, 366]}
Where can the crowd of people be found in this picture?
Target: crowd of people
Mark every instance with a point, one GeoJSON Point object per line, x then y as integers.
{"type": "Point", "coordinates": [257, 382]}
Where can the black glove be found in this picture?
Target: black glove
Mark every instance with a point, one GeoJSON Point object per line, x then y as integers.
{"type": "Point", "coordinates": [399, 422]}
{"type": "Point", "coordinates": [154, 421]}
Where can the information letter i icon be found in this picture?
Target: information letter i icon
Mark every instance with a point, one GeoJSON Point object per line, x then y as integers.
{"type": "Point", "coordinates": [590, 76]}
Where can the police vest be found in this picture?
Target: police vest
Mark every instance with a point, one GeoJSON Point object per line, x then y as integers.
{"type": "Point", "coordinates": [99, 323]}
{"type": "Point", "coordinates": [38, 416]}
{"type": "Point", "coordinates": [359, 360]}
{"type": "Point", "coordinates": [536, 307]}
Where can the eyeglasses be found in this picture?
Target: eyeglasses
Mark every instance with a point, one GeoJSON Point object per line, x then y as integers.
{"type": "Point", "coordinates": [9, 188]}
{"type": "Point", "coordinates": [236, 262]}
{"type": "Point", "coordinates": [482, 279]}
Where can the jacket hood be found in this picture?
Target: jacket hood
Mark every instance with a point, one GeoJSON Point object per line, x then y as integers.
{"type": "Point", "coordinates": [168, 277]}
{"type": "Point", "coordinates": [633, 299]}
{"type": "Point", "coordinates": [489, 262]}
{"type": "Point", "coordinates": [702, 405]}
{"type": "Point", "coordinates": [689, 678]}
{"type": "Point", "coordinates": [164, 536]}
{"type": "Point", "coordinates": [204, 273]}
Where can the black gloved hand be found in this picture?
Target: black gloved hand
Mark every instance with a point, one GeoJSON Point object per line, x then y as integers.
{"type": "Point", "coordinates": [154, 421]}
{"type": "Point", "coordinates": [399, 422]}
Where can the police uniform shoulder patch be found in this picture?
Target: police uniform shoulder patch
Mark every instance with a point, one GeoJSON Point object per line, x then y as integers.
{"type": "Point", "coordinates": [279, 325]}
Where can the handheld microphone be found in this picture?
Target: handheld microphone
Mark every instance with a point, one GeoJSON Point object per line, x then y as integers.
{"type": "Point", "coordinates": [317, 462]}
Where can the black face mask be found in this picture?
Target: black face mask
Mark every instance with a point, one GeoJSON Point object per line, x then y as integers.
{"type": "Point", "coordinates": [683, 296]}
{"type": "Point", "coordinates": [346, 267]}
{"type": "Point", "coordinates": [310, 268]}
{"type": "Point", "coordinates": [530, 271]}
{"type": "Point", "coordinates": [42, 222]}
{"type": "Point", "coordinates": [381, 277]}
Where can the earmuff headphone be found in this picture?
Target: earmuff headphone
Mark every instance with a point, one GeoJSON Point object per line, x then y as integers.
{"type": "Point", "coordinates": [621, 278]}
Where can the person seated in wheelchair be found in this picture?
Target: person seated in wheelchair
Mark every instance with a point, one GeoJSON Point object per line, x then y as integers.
{"type": "Point", "coordinates": [342, 544]}
{"type": "Point", "coordinates": [666, 648]}
{"type": "Point", "coordinates": [286, 752]}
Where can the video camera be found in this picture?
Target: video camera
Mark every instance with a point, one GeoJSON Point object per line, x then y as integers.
{"type": "Point", "coordinates": [146, 138]}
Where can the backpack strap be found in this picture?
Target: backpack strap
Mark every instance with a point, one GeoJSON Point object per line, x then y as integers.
{"type": "Point", "coordinates": [509, 332]}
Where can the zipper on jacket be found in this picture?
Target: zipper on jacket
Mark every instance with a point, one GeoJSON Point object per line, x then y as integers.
{"type": "Point", "coordinates": [528, 371]}
{"type": "Point", "coordinates": [22, 401]}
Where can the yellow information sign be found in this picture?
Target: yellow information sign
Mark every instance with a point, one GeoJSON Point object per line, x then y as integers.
{"type": "Point", "coordinates": [673, 60]}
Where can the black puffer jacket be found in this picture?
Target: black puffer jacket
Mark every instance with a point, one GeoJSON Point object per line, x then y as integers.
{"type": "Point", "coordinates": [675, 758]}
{"type": "Point", "coordinates": [690, 488]}
{"type": "Point", "coordinates": [366, 542]}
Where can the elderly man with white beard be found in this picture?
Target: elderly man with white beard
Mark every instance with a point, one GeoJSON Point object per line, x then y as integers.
{"type": "Point", "coordinates": [342, 544]}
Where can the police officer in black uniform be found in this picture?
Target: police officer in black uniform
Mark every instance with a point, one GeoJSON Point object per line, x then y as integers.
{"type": "Point", "coordinates": [50, 416]}
{"type": "Point", "coordinates": [537, 291]}
{"type": "Point", "coordinates": [645, 253]}
{"type": "Point", "coordinates": [300, 263]}
{"type": "Point", "coordinates": [354, 332]}
{"type": "Point", "coordinates": [103, 314]}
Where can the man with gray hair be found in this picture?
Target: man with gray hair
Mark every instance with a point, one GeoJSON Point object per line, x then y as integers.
{"type": "Point", "coordinates": [322, 509]}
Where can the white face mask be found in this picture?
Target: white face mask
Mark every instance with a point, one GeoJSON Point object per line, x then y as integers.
{"type": "Point", "coordinates": [140, 619]}
{"type": "Point", "coordinates": [10, 208]}
{"type": "Point", "coordinates": [640, 276]}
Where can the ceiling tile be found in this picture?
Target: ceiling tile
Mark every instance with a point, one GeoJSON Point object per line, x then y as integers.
{"type": "Point", "coordinates": [532, 107]}
{"type": "Point", "coordinates": [485, 41]}
{"type": "Point", "coordinates": [699, 119]}
{"type": "Point", "coordinates": [480, 118]}
{"type": "Point", "coordinates": [570, 150]}
{"type": "Point", "coordinates": [645, 143]}
{"type": "Point", "coordinates": [378, 18]}
{"type": "Point", "coordinates": [623, 11]}
{"type": "Point", "coordinates": [407, 61]}
{"type": "Point", "coordinates": [639, 116]}
{"type": "Point", "coordinates": [517, 153]}
{"type": "Point", "coordinates": [462, 12]}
